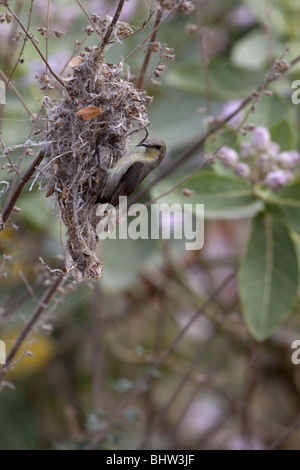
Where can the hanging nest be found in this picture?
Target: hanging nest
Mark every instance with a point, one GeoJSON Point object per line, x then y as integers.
{"type": "Point", "coordinates": [97, 107]}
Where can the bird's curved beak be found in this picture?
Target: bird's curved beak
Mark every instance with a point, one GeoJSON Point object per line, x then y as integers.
{"type": "Point", "coordinates": [143, 144]}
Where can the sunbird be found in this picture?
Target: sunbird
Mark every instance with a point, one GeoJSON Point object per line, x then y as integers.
{"type": "Point", "coordinates": [128, 172]}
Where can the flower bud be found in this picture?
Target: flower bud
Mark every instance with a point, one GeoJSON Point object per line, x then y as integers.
{"type": "Point", "coordinates": [242, 170]}
{"type": "Point", "coordinates": [246, 150]}
{"type": "Point", "coordinates": [228, 156]}
{"type": "Point", "coordinates": [260, 139]}
{"type": "Point", "coordinates": [263, 159]}
{"type": "Point", "coordinates": [273, 149]}
{"type": "Point", "coordinates": [288, 160]}
{"type": "Point", "coordinates": [277, 179]}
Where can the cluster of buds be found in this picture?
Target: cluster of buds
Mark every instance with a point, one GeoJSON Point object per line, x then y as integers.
{"type": "Point", "coordinates": [260, 160]}
{"type": "Point", "coordinates": [5, 17]}
{"type": "Point", "coordinates": [165, 53]}
{"type": "Point", "coordinates": [123, 30]}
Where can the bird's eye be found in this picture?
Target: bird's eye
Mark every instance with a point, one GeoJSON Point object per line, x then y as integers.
{"type": "Point", "coordinates": [157, 147]}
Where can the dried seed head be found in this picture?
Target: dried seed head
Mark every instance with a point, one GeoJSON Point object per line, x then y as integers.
{"type": "Point", "coordinates": [168, 5]}
{"type": "Point", "coordinates": [187, 7]}
{"type": "Point", "coordinates": [159, 70]}
{"type": "Point", "coordinates": [123, 30]}
{"type": "Point", "coordinates": [5, 17]}
{"type": "Point", "coordinates": [88, 29]}
{"type": "Point", "coordinates": [187, 192]}
{"type": "Point", "coordinates": [58, 33]}
{"type": "Point", "coordinates": [42, 31]}
{"type": "Point", "coordinates": [155, 46]}
{"type": "Point", "coordinates": [169, 56]}
{"type": "Point", "coordinates": [147, 99]}
{"type": "Point", "coordinates": [191, 28]}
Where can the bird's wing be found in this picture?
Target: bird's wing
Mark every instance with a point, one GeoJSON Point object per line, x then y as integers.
{"type": "Point", "coordinates": [129, 182]}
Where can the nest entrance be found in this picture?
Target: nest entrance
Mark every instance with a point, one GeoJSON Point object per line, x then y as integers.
{"type": "Point", "coordinates": [97, 107]}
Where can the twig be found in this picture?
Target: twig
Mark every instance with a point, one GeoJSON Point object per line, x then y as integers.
{"type": "Point", "coordinates": [28, 327]}
{"type": "Point", "coordinates": [23, 46]}
{"type": "Point", "coordinates": [16, 92]}
{"type": "Point", "coordinates": [149, 50]}
{"type": "Point", "coordinates": [141, 27]}
{"type": "Point", "coordinates": [106, 38]}
{"type": "Point", "coordinates": [19, 301]}
{"type": "Point", "coordinates": [294, 424]}
{"type": "Point", "coordinates": [35, 46]}
{"type": "Point", "coordinates": [152, 32]}
{"type": "Point", "coordinates": [88, 16]}
{"type": "Point", "coordinates": [11, 189]}
{"type": "Point", "coordinates": [156, 421]}
{"type": "Point", "coordinates": [11, 202]}
{"type": "Point", "coordinates": [12, 364]}
{"type": "Point", "coordinates": [73, 53]}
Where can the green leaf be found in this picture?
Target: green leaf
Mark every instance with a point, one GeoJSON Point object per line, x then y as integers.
{"type": "Point", "coordinates": [268, 276]}
{"type": "Point", "coordinates": [226, 82]}
{"type": "Point", "coordinates": [251, 51]}
{"type": "Point", "coordinates": [283, 132]}
{"type": "Point", "coordinates": [270, 110]}
{"type": "Point", "coordinates": [224, 197]}
{"type": "Point", "coordinates": [285, 206]}
{"type": "Point", "coordinates": [276, 17]}
{"type": "Point", "coordinates": [176, 120]}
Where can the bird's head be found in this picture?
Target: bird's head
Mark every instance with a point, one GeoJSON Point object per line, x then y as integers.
{"type": "Point", "coordinates": [155, 149]}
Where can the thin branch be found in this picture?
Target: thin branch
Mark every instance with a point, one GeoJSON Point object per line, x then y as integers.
{"type": "Point", "coordinates": [28, 327]}
{"type": "Point", "coordinates": [149, 50]}
{"type": "Point", "coordinates": [77, 48]}
{"type": "Point", "coordinates": [153, 31]}
{"type": "Point", "coordinates": [294, 424]}
{"type": "Point", "coordinates": [16, 92]}
{"type": "Point", "coordinates": [88, 16]}
{"type": "Point", "coordinates": [109, 31]}
{"type": "Point", "coordinates": [35, 46]}
{"type": "Point", "coordinates": [141, 27]}
{"type": "Point", "coordinates": [182, 382]}
{"type": "Point", "coordinates": [12, 364]}
{"type": "Point", "coordinates": [16, 303]}
{"type": "Point", "coordinates": [11, 202]}
{"type": "Point", "coordinates": [23, 45]}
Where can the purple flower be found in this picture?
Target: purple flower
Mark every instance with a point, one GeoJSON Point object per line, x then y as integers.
{"type": "Point", "coordinates": [277, 179]}
{"type": "Point", "coordinates": [273, 149]}
{"type": "Point", "coordinates": [242, 170]}
{"type": "Point", "coordinates": [246, 150]}
{"type": "Point", "coordinates": [228, 156]}
{"type": "Point", "coordinates": [288, 160]}
{"type": "Point", "coordinates": [263, 159]}
{"type": "Point", "coordinates": [260, 139]}
{"type": "Point", "coordinates": [229, 108]}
